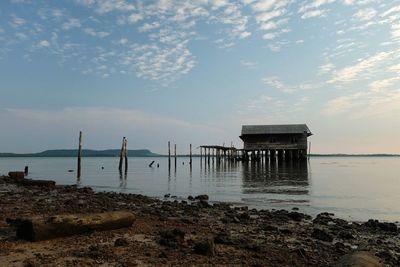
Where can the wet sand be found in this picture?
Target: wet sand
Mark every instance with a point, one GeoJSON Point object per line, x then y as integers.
{"type": "Point", "coordinates": [168, 232]}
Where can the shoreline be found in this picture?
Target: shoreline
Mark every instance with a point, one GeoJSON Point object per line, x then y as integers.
{"type": "Point", "coordinates": [239, 236]}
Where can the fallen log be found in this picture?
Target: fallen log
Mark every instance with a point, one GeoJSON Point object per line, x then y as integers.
{"type": "Point", "coordinates": [36, 229]}
{"type": "Point", "coordinates": [41, 183]}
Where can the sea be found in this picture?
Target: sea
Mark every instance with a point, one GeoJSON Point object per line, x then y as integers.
{"type": "Point", "coordinates": [353, 188]}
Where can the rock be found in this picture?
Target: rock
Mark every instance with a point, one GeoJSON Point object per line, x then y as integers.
{"type": "Point", "coordinates": [295, 208]}
{"type": "Point", "coordinates": [321, 235]}
{"type": "Point", "coordinates": [384, 226]}
{"type": "Point", "coordinates": [345, 235]}
{"type": "Point", "coordinates": [16, 175]}
{"type": "Point", "coordinates": [360, 259]}
{"type": "Point", "coordinates": [171, 238]}
{"type": "Point", "coordinates": [202, 197]}
{"type": "Point", "coordinates": [167, 195]}
{"type": "Point", "coordinates": [205, 247]}
{"type": "Point", "coordinates": [190, 198]}
{"type": "Point", "coordinates": [223, 239]}
{"type": "Point", "coordinates": [203, 203]}
{"type": "Point", "coordinates": [269, 227]}
{"type": "Point", "coordinates": [121, 242]}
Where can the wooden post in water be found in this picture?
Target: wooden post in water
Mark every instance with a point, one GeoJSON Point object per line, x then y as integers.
{"type": "Point", "coordinates": [169, 155]}
{"type": "Point", "coordinates": [190, 161]}
{"type": "Point", "coordinates": [121, 155]}
{"type": "Point", "coordinates": [126, 154]}
{"type": "Point", "coordinates": [79, 155]}
{"type": "Point", "coordinates": [175, 154]}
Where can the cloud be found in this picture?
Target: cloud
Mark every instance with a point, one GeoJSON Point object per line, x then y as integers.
{"type": "Point", "coordinates": [314, 4]}
{"type": "Point", "coordinates": [17, 21]}
{"type": "Point", "coordinates": [94, 33]}
{"type": "Point", "coordinates": [326, 68]}
{"type": "Point", "coordinates": [276, 83]}
{"type": "Point", "coordinates": [363, 68]}
{"type": "Point", "coordinates": [248, 64]}
{"type": "Point", "coordinates": [106, 6]}
{"type": "Point", "coordinates": [71, 23]}
{"type": "Point", "coordinates": [365, 14]}
{"type": "Point", "coordinates": [44, 43]}
{"type": "Point", "coordinates": [380, 85]}
{"type": "Point", "coordinates": [314, 13]}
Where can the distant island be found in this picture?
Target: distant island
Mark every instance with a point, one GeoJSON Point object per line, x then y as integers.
{"type": "Point", "coordinates": [85, 153]}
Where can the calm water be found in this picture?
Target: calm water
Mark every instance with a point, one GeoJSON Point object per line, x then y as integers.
{"type": "Point", "coordinates": [354, 188]}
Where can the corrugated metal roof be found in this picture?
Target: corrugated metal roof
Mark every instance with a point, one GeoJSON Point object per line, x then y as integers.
{"type": "Point", "coordinates": [276, 129]}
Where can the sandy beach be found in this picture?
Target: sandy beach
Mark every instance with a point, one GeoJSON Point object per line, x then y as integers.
{"type": "Point", "coordinates": [168, 232]}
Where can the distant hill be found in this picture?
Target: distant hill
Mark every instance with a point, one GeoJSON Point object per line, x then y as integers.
{"type": "Point", "coordinates": [85, 153]}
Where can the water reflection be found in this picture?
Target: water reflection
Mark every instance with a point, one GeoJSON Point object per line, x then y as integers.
{"type": "Point", "coordinates": [123, 178]}
{"type": "Point", "coordinates": [286, 177]}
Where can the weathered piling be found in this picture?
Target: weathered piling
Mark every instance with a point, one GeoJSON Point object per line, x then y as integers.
{"type": "Point", "coordinates": [190, 161]}
{"type": "Point", "coordinates": [169, 155]}
{"type": "Point", "coordinates": [26, 170]}
{"type": "Point", "coordinates": [121, 154]}
{"type": "Point", "coordinates": [126, 154]}
{"type": "Point", "coordinates": [79, 155]}
{"type": "Point", "coordinates": [175, 154]}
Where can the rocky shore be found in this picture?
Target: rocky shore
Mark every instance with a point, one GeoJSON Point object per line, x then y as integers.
{"type": "Point", "coordinates": [167, 232]}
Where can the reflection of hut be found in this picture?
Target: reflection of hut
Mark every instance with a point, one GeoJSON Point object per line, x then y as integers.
{"type": "Point", "coordinates": [289, 141]}
{"type": "Point", "coordinates": [288, 178]}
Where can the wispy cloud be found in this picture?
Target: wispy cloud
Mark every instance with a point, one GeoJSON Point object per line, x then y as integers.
{"type": "Point", "coordinates": [363, 68]}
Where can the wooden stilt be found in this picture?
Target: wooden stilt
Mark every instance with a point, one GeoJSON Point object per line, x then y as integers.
{"type": "Point", "coordinates": [79, 155]}
{"type": "Point", "coordinates": [169, 154]}
{"type": "Point", "coordinates": [190, 161]}
{"type": "Point", "coordinates": [175, 154]}
{"type": "Point", "coordinates": [126, 154]}
{"type": "Point", "coordinates": [121, 154]}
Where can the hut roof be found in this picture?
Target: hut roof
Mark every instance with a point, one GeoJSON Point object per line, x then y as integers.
{"type": "Point", "coordinates": [276, 129]}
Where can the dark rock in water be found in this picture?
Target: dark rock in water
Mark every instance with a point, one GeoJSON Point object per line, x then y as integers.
{"type": "Point", "coordinates": [321, 235]}
{"type": "Point", "coordinates": [190, 198]}
{"type": "Point", "coordinates": [121, 242]}
{"type": "Point", "coordinates": [171, 238]}
{"type": "Point", "coordinates": [360, 259]}
{"type": "Point", "coordinates": [205, 247]}
{"type": "Point", "coordinates": [202, 197]}
{"type": "Point", "coordinates": [167, 195]}
{"type": "Point", "coordinates": [295, 208]}
{"type": "Point", "coordinates": [70, 170]}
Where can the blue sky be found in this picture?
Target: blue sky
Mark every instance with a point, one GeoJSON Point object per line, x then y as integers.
{"type": "Point", "coordinates": [195, 71]}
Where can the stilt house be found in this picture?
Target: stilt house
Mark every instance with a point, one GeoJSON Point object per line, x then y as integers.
{"type": "Point", "coordinates": [289, 141]}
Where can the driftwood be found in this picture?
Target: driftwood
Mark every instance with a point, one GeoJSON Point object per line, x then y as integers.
{"type": "Point", "coordinates": [36, 229]}
{"type": "Point", "coordinates": [41, 183]}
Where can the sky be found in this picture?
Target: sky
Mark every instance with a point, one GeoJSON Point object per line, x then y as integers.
{"type": "Point", "coordinates": [196, 71]}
